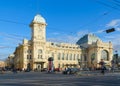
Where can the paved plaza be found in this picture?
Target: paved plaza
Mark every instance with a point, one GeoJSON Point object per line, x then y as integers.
{"type": "Point", "coordinates": [58, 79]}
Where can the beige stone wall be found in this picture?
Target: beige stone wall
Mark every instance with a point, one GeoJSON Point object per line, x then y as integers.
{"type": "Point", "coordinates": [23, 56]}
{"type": "Point", "coordinates": [97, 49]}
{"type": "Point", "coordinates": [2, 64]}
{"type": "Point", "coordinates": [64, 52]}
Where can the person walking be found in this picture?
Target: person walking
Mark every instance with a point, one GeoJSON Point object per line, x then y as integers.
{"type": "Point", "coordinates": [102, 64]}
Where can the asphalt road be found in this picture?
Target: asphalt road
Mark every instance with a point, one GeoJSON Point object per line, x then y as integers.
{"type": "Point", "coordinates": [58, 79]}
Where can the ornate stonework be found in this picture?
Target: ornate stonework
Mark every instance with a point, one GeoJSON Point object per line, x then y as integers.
{"type": "Point", "coordinates": [34, 53]}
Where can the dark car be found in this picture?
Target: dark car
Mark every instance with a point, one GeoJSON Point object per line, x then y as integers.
{"type": "Point", "coordinates": [70, 71]}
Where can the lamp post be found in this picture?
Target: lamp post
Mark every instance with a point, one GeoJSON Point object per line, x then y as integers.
{"type": "Point", "coordinates": [116, 58]}
{"type": "Point", "coordinates": [79, 62]}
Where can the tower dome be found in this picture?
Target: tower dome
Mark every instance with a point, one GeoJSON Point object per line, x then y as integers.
{"type": "Point", "coordinates": [39, 19]}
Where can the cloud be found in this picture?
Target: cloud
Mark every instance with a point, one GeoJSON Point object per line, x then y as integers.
{"type": "Point", "coordinates": [64, 39]}
{"type": "Point", "coordinates": [55, 33]}
{"type": "Point", "coordinates": [99, 31]}
{"type": "Point", "coordinates": [118, 29]}
{"type": "Point", "coordinates": [113, 23]}
{"type": "Point", "coordinates": [81, 33]}
{"type": "Point", "coordinates": [68, 38]}
{"type": "Point", "coordinates": [115, 39]}
{"type": "Point", "coordinates": [110, 37]}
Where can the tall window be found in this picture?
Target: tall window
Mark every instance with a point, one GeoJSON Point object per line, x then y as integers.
{"type": "Point", "coordinates": [70, 56]}
{"type": "Point", "coordinates": [92, 57]}
{"type": "Point", "coordinates": [40, 54]}
{"type": "Point", "coordinates": [62, 56]}
{"type": "Point", "coordinates": [59, 65]}
{"type": "Point", "coordinates": [78, 56]}
{"type": "Point", "coordinates": [59, 54]}
{"type": "Point", "coordinates": [27, 56]}
{"type": "Point", "coordinates": [104, 55]}
{"type": "Point", "coordinates": [67, 56]}
{"type": "Point", "coordinates": [74, 57]}
{"type": "Point", "coordinates": [30, 57]}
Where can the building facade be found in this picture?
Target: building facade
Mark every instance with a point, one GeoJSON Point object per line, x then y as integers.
{"type": "Point", "coordinates": [34, 53]}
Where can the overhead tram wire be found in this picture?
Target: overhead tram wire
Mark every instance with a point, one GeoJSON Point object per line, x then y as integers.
{"type": "Point", "coordinates": [107, 5]}
{"type": "Point", "coordinates": [88, 24]}
{"type": "Point", "coordinates": [83, 26]}
{"type": "Point", "coordinates": [12, 35]}
{"type": "Point", "coordinates": [116, 1]}
{"type": "Point", "coordinates": [3, 20]}
{"type": "Point", "coordinates": [93, 21]}
{"type": "Point", "coordinates": [9, 21]}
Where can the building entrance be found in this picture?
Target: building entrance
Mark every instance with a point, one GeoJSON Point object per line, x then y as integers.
{"type": "Point", "coordinates": [39, 66]}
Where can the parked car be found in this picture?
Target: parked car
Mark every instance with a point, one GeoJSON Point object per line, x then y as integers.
{"type": "Point", "coordinates": [71, 71]}
{"type": "Point", "coordinates": [43, 69]}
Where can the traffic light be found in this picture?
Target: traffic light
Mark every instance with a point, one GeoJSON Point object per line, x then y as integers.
{"type": "Point", "coordinates": [116, 55]}
{"type": "Point", "coordinates": [110, 30]}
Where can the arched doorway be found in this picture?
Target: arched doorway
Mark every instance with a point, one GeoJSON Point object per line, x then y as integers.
{"type": "Point", "coordinates": [104, 55]}
{"type": "Point", "coordinates": [93, 62]}
{"type": "Point", "coordinates": [28, 67]}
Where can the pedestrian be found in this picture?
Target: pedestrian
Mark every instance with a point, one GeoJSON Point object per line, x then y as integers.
{"type": "Point", "coordinates": [102, 64]}
{"type": "Point", "coordinates": [113, 65]}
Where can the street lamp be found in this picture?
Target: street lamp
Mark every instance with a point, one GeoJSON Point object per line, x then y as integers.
{"type": "Point", "coordinates": [79, 62]}
{"type": "Point", "coordinates": [116, 58]}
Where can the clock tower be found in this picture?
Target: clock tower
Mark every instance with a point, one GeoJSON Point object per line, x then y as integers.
{"type": "Point", "coordinates": [38, 26]}
{"type": "Point", "coordinates": [38, 41]}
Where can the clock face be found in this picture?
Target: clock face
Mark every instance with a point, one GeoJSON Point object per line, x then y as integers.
{"type": "Point", "coordinates": [39, 30]}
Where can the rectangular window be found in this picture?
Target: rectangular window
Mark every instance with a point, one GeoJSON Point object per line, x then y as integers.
{"type": "Point", "coordinates": [30, 57]}
{"type": "Point", "coordinates": [78, 56]}
{"type": "Point", "coordinates": [70, 56]}
{"type": "Point", "coordinates": [59, 54]}
{"type": "Point", "coordinates": [27, 56]}
{"type": "Point", "coordinates": [62, 56]}
{"type": "Point", "coordinates": [67, 56]}
{"type": "Point", "coordinates": [74, 57]}
{"type": "Point", "coordinates": [38, 56]}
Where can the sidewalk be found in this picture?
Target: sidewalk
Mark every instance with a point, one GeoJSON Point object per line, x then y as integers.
{"type": "Point", "coordinates": [96, 73]}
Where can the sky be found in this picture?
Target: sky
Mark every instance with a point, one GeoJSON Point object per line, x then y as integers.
{"type": "Point", "coordinates": [67, 21]}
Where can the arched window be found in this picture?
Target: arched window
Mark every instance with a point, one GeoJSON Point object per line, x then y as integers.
{"type": "Point", "coordinates": [93, 57]}
{"type": "Point", "coordinates": [104, 55]}
{"type": "Point", "coordinates": [40, 51]}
